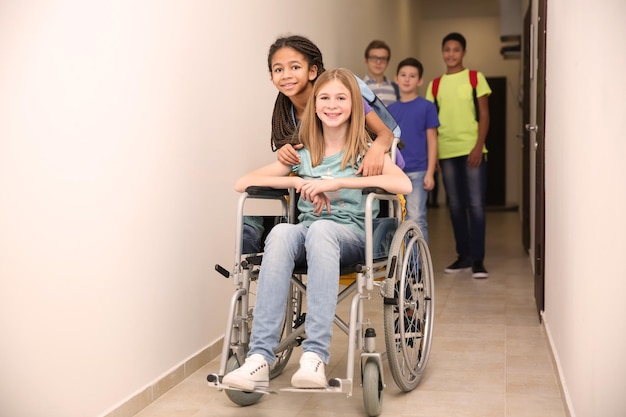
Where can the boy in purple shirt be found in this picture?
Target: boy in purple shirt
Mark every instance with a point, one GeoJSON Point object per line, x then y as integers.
{"type": "Point", "coordinates": [418, 121]}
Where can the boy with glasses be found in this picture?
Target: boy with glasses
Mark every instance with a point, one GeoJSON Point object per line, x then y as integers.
{"type": "Point", "coordinates": [377, 55]}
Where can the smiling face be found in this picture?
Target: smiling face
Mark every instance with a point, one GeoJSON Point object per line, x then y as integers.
{"type": "Point", "coordinates": [333, 104]}
{"type": "Point", "coordinates": [291, 73]}
{"type": "Point", "coordinates": [377, 60]}
{"type": "Point", "coordinates": [408, 79]}
{"type": "Point", "coordinates": [453, 54]}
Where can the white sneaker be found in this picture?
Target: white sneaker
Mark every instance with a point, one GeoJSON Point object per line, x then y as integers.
{"type": "Point", "coordinates": [253, 374]}
{"type": "Point", "coordinates": [312, 373]}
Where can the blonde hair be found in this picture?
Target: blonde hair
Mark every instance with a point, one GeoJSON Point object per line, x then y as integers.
{"type": "Point", "coordinates": [311, 132]}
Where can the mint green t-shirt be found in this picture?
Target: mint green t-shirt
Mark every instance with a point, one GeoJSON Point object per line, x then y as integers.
{"type": "Point", "coordinates": [347, 206]}
{"type": "Point", "coordinates": [458, 129]}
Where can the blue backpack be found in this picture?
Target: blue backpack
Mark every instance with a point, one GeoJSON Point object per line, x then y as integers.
{"type": "Point", "coordinates": [378, 106]}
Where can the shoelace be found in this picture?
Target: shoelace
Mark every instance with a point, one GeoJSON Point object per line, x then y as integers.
{"type": "Point", "coordinates": [260, 365]}
{"type": "Point", "coordinates": [312, 363]}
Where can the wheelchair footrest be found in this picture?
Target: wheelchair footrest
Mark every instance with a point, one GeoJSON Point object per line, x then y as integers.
{"type": "Point", "coordinates": [214, 381]}
{"type": "Point", "coordinates": [335, 386]}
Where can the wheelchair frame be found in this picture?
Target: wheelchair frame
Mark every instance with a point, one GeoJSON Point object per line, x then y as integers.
{"type": "Point", "coordinates": [404, 280]}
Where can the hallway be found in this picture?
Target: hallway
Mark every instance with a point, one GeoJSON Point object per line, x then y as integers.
{"type": "Point", "coordinates": [490, 355]}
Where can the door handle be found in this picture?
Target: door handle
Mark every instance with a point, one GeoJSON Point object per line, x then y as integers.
{"type": "Point", "coordinates": [531, 128]}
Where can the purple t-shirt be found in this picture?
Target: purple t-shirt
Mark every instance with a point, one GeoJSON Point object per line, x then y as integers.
{"type": "Point", "coordinates": [368, 108]}
{"type": "Point", "coordinates": [414, 118]}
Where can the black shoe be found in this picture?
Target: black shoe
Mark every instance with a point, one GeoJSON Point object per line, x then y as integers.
{"type": "Point", "coordinates": [459, 265]}
{"type": "Point", "coordinates": [479, 271]}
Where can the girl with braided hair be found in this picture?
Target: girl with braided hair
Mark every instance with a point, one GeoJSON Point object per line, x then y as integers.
{"type": "Point", "coordinates": [295, 63]}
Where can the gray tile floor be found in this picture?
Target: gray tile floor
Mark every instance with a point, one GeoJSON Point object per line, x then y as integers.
{"type": "Point", "coordinates": [490, 356]}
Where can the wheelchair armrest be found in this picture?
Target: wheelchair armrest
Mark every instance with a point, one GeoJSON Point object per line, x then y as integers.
{"type": "Point", "coordinates": [375, 190]}
{"type": "Point", "coordinates": [266, 191]}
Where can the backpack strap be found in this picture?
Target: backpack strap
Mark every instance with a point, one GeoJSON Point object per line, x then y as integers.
{"type": "Point", "coordinates": [435, 89]}
{"type": "Point", "coordinates": [473, 76]}
{"type": "Point", "coordinates": [396, 90]}
{"type": "Point", "coordinates": [378, 107]}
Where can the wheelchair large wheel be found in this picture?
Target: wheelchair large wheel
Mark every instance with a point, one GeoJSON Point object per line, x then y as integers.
{"type": "Point", "coordinates": [291, 321]}
{"type": "Point", "coordinates": [409, 306]}
{"type": "Point", "coordinates": [372, 388]}
{"type": "Point", "coordinates": [239, 397]}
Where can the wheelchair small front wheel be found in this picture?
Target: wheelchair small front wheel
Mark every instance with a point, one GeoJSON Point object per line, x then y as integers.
{"type": "Point", "coordinates": [242, 398]}
{"type": "Point", "coordinates": [372, 388]}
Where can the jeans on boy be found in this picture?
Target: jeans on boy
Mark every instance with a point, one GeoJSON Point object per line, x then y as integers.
{"type": "Point", "coordinates": [324, 245]}
{"type": "Point", "coordinates": [466, 188]}
{"type": "Point", "coordinates": [416, 202]}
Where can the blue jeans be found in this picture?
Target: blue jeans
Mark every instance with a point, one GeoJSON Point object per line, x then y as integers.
{"type": "Point", "coordinates": [416, 202]}
{"type": "Point", "coordinates": [466, 188]}
{"type": "Point", "coordinates": [325, 245]}
{"type": "Point", "coordinates": [250, 240]}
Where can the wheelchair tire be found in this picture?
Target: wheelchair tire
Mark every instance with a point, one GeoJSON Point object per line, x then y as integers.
{"type": "Point", "coordinates": [409, 306]}
{"type": "Point", "coordinates": [239, 397]}
{"type": "Point", "coordinates": [372, 388]}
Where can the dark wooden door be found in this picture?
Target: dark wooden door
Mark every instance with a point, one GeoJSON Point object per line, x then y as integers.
{"type": "Point", "coordinates": [496, 143]}
{"type": "Point", "coordinates": [540, 159]}
{"type": "Point", "coordinates": [526, 134]}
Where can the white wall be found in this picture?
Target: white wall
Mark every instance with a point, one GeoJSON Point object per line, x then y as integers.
{"type": "Point", "coordinates": [585, 192]}
{"type": "Point", "coordinates": [123, 126]}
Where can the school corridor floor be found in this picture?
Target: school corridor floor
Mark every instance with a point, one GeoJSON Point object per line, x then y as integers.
{"type": "Point", "coordinates": [490, 356]}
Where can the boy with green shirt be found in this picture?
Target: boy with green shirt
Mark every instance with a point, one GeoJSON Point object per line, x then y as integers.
{"type": "Point", "coordinates": [462, 153]}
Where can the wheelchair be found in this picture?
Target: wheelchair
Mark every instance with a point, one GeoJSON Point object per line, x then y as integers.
{"type": "Point", "coordinates": [396, 264]}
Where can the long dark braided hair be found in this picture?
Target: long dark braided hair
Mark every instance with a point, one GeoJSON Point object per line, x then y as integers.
{"type": "Point", "coordinates": [283, 127]}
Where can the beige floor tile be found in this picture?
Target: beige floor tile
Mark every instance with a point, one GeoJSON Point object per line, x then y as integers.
{"type": "Point", "coordinates": [464, 380]}
{"type": "Point", "coordinates": [535, 385]}
{"type": "Point", "coordinates": [470, 314]}
{"type": "Point", "coordinates": [425, 403]}
{"type": "Point", "coordinates": [534, 406]}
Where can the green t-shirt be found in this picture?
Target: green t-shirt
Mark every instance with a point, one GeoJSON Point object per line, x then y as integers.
{"type": "Point", "coordinates": [347, 205]}
{"type": "Point", "coordinates": [458, 129]}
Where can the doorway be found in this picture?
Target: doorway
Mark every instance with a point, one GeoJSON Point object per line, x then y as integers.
{"type": "Point", "coordinates": [496, 144]}
{"type": "Point", "coordinates": [533, 200]}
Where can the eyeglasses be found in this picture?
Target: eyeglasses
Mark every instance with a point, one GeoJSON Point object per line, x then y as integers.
{"type": "Point", "coordinates": [374, 58]}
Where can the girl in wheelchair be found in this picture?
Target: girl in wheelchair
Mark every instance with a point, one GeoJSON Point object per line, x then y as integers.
{"type": "Point", "coordinates": [294, 63]}
{"type": "Point", "coordinates": [330, 232]}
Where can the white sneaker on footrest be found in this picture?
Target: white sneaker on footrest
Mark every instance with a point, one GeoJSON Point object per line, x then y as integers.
{"type": "Point", "coordinates": [253, 374]}
{"type": "Point", "coordinates": [312, 372]}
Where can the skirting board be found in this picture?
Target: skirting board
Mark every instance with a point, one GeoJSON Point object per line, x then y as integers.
{"type": "Point", "coordinates": [557, 363]}
{"type": "Point", "coordinates": [148, 395]}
